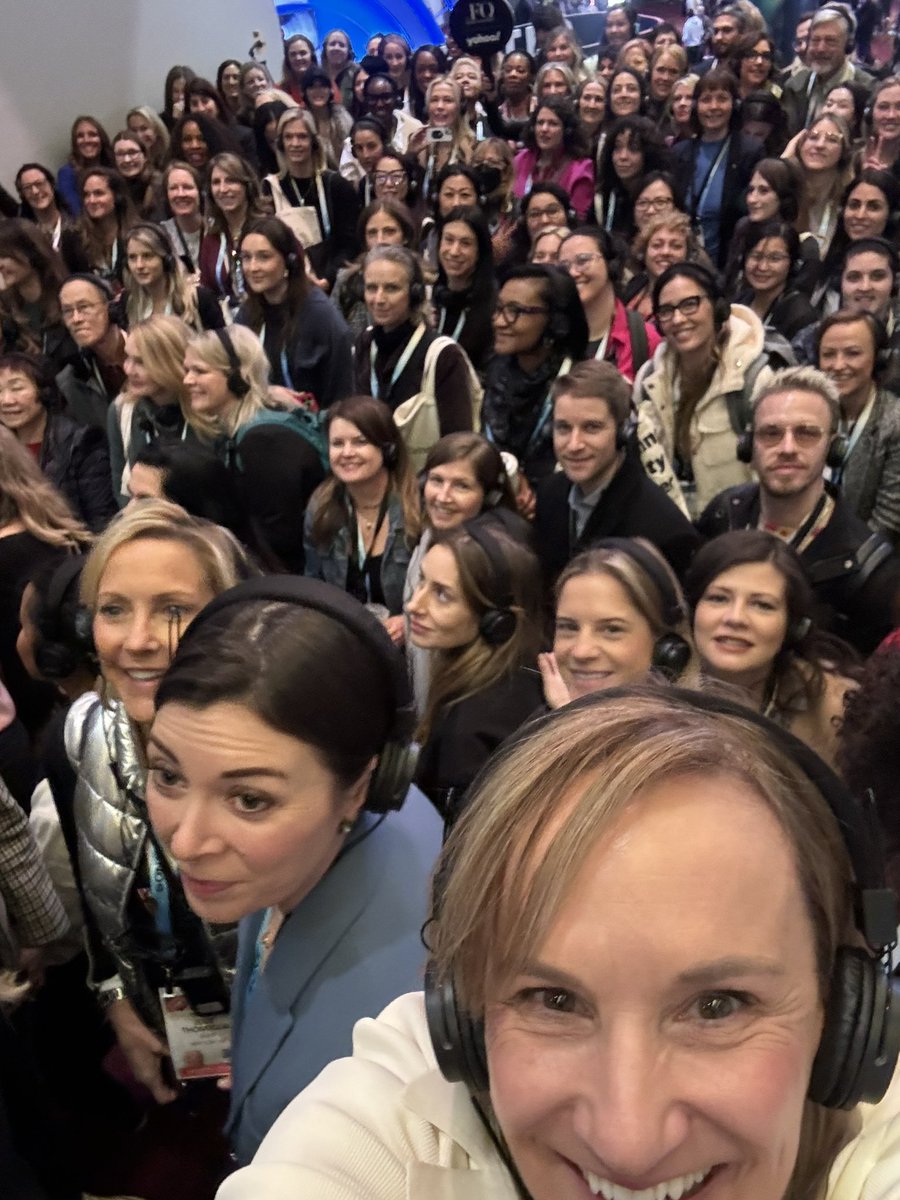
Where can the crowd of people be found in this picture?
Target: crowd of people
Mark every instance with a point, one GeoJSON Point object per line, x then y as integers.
{"type": "Point", "coordinates": [433, 489]}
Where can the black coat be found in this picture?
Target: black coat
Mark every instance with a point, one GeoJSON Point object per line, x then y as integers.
{"type": "Point", "coordinates": [631, 506]}
{"type": "Point", "coordinates": [465, 735]}
{"type": "Point", "coordinates": [76, 458]}
{"type": "Point", "coordinates": [744, 153]}
{"type": "Point", "coordinates": [855, 574]}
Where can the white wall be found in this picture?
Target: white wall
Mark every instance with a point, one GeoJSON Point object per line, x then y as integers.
{"type": "Point", "coordinates": [59, 58]}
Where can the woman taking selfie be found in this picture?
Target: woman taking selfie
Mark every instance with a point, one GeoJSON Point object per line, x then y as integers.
{"type": "Point", "coordinates": [477, 609]}
{"type": "Point", "coordinates": [363, 521]}
{"type": "Point", "coordinates": [754, 628]}
{"type": "Point", "coordinates": [620, 615]}
{"type": "Point", "coordinates": [146, 579]}
{"type": "Point", "coordinates": [294, 686]}
{"type": "Point", "coordinates": [446, 137]}
{"type": "Point", "coordinates": [694, 1078]}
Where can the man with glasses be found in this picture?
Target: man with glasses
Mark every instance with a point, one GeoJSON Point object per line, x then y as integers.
{"type": "Point", "coordinates": [96, 375]}
{"type": "Point", "coordinates": [831, 34]}
{"type": "Point", "coordinates": [854, 572]}
{"type": "Point", "coordinates": [728, 28]}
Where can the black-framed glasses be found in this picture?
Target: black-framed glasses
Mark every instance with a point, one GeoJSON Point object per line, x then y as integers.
{"type": "Point", "coordinates": [687, 307]}
{"type": "Point", "coordinates": [510, 312]}
{"type": "Point", "coordinates": [762, 55]}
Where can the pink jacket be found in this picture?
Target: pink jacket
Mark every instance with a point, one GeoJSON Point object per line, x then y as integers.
{"type": "Point", "coordinates": [575, 176]}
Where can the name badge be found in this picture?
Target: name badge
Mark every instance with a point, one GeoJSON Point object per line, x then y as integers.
{"type": "Point", "coordinates": [200, 1046]}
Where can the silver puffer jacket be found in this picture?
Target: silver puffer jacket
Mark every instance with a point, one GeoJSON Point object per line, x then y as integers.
{"type": "Point", "coordinates": [112, 837]}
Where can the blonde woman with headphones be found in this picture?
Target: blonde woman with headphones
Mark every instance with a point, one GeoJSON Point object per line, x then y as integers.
{"type": "Point", "coordinates": [157, 284]}
{"type": "Point", "coordinates": [319, 206]}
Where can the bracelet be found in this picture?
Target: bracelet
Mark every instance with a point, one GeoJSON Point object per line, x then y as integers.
{"type": "Point", "coordinates": [107, 997]}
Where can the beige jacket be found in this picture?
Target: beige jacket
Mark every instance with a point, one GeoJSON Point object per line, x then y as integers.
{"type": "Point", "coordinates": [713, 440]}
{"type": "Point", "coordinates": [386, 1125]}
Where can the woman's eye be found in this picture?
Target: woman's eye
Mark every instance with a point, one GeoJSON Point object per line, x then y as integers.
{"type": "Point", "coordinates": [547, 999]}
{"type": "Point", "coordinates": [177, 612]}
{"type": "Point", "coordinates": [717, 1006]}
{"type": "Point", "coordinates": [714, 598]}
{"type": "Point", "coordinates": [163, 777]}
{"type": "Point", "coordinates": [250, 803]}
{"type": "Point", "coordinates": [110, 611]}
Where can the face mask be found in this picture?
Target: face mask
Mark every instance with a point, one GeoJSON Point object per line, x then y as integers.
{"type": "Point", "coordinates": [488, 179]}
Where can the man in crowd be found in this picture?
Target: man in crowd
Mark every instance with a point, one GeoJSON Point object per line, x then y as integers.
{"type": "Point", "coordinates": [831, 34]}
{"type": "Point", "coordinates": [854, 572]}
{"type": "Point", "coordinates": [602, 490]}
{"type": "Point", "coordinates": [728, 28]}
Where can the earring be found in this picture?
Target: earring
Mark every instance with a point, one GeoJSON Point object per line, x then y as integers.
{"type": "Point", "coordinates": [345, 826]}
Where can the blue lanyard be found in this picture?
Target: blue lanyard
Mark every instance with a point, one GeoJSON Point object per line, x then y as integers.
{"type": "Point", "coordinates": [400, 367]}
{"type": "Point", "coordinates": [282, 360]}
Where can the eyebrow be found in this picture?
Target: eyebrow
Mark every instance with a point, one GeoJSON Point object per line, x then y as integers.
{"type": "Point", "coordinates": [702, 975]}
{"type": "Point", "coordinates": [162, 596]}
{"type": "Point", "coordinates": [237, 773]}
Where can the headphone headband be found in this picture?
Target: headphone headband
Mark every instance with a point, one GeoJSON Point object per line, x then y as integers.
{"type": "Point", "coordinates": [397, 763]}
{"type": "Point", "coordinates": [493, 552]}
{"type": "Point", "coordinates": [672, 609]}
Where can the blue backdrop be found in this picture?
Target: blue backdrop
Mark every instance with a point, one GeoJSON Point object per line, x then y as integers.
{"type": "Point", "coordinates": [360, 19]}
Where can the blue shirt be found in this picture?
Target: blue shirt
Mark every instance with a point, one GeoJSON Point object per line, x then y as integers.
{"type": "Point", "coordinates": [706, 189]}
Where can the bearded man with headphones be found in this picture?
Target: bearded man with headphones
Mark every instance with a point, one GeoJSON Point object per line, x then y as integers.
{"type": "Point", "coordinates": [832, 33]}
{"type": "Point", "coordinates": [794, 435]}
{"type": "Point", "coordinates": [602, 489]}
{"type": "Point", "coordinates": [660, 967]}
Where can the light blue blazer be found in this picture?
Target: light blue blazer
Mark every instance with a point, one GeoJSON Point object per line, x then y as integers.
{"type": "Point", "coordinates": [353, 945]}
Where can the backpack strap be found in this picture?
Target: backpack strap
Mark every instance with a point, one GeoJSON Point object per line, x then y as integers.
{"type": "Point", "coordinates": [637, 335]}
{"type": "Point", "coordinates": [740, 402]}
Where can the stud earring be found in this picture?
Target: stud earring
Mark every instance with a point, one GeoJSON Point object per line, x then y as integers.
{"type": "Point", "coordinates": [345, 826]}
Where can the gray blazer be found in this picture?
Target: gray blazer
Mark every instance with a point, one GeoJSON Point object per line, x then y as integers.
{"type": "Point", "coordinates": [870, 479]}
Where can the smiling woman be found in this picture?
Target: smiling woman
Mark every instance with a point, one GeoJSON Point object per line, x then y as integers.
{"type": "Point", "coordinates": [618, 1020]}
{"type": "Point", "coordinates": [278, 758]}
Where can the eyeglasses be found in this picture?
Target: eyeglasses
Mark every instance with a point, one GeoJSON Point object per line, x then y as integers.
{"type": "Point", "coordinates": [129, 153]}
{"type": "Point", "coordinates": [509, 313]}
{"type": "Point", "coordinates": [773, 260]}
{"type": "Point", "coordinates": [687, 307]}
{"type": "Point", "coordinates": [579, 262]}
{"type": "Point", "coordinates": [391, 178]}
{"type": "Point", "coordinates": [34, 187]}
{"type": "Point", "coordinates": [80, 310]}
{"type": "Point", "coordinates": [806, 436]}
{"type": "Point", "coordinates": [657, 204]}
{"type": "Point", "coordinates": [535, 214]}
{"type": "Point", "coordinates": [762, 55]}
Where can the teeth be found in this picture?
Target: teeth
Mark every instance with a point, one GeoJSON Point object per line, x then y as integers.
{"type": "Point", "coordinates": [672, 1189]}
{"type": "Point", "coordinates": [143, 676]}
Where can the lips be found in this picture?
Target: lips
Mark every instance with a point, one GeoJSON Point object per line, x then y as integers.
{"type": "Point", "coordinates": [204, 888]}
{"type": "Point", "coordinates": [416, 628]}
{"type": "Point", "coordinates": [732, 643]}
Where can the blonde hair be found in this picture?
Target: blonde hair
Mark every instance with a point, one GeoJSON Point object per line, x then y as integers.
{"type": "Point", "coordinates": [27, 495]}
{"type": "Point", "coordinates": [159, 151]}
{"type": "Point", "coordinates": [305, 118]}
{"type": "Point", "coordinates": [254, 370]}
{"type": "Point", "coordinates": [463, 144]}
{"type": "Point", "coordinates": [503, 880]}
{"type": "Point", "coordinates": [643, 592]}
{"type": "Point", "coordinates": [181, 294]}
{"type": "Point", "coordinates": [223, 560]}
{"type": "Point", "coordinates": [161, 342]}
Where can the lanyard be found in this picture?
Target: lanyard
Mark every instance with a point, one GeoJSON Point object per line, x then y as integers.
{"type": "Point", "coordinates": [600, 352]}
{"type": "Point", "coordinates": [159, 890]}
{"type": "Point", "coordinates": [546, 412]}
{"type": "Point", "coordinates": [823, 225]}
{"type": "Point", "coordinates": [856, 431]}
{"type": "Point", "coordinates": [221, 272]}
{"type": "Point", "coordinates": [611, 213]}
{"type": "Point", "coordinates": [811, 83]}
{"type": "Point", "coordinates": [282, 360]}
{"type": "Point", "coordinates": [400, 367]}
{"type": "Point", "coordinates": [459, 324]}
{"type": "Point", "coordinates": [710, 176]}
{"type": "Point", "coordinates": [320, 195]}
{"type": "Point", "coordinates": [185, 247]}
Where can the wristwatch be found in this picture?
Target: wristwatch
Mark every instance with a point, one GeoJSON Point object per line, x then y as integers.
{"type": "Point", "coordinates": [107, 996]}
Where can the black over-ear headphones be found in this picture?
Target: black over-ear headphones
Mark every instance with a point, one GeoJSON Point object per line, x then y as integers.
{"type": "Point", "coordinates": [160, 240]}
{"type": "Point", "coordinates": [58, 654]}
{"type": "Point", "coordinates": [860, 1039]}
{"type": "Point", "coordinates": [671, 652]}
{"type": "Point", "coordinates": [397, 762]}
{"type": "Point", "coordinates": [497, 624]}
{"type": "Point", "coordinates": [705, 279]}
{"type": "Point", "coordinates": [237, 384]}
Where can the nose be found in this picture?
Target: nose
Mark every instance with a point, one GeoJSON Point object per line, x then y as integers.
{"type": "Point", "coordinates": [415, 603]}
{"type": "Point", "coordinates": [624, 1110]}
{"type": "Point", "coordinates": [584, 648]}
{"type": "Point", "coordinates": [735, 612]}
{"type": "Point", "coordinates": [444, 493]}
{"type": "Point", "coordinates": [192, 834]}
{"type": "Point", "coordinates": [140, 637]}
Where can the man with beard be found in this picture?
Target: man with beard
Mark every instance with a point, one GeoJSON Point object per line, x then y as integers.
{"type": "Point", "coordinates": [853, 571]}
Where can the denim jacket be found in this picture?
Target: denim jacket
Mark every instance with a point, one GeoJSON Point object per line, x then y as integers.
{"type": "Point", "coordinates": [331, 563]}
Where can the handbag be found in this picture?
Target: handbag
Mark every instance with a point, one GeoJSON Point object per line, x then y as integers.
{"type": "Point", "coordinates": [417, 418]}
{"type": "Point", "coordinates": [302, 221]}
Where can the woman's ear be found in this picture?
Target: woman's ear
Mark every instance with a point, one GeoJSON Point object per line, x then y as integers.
{"type": "Point", "coordinates": [355, 797]}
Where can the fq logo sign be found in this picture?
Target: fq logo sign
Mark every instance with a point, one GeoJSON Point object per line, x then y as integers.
{"type": "Point", "coordinates": [481, 26]}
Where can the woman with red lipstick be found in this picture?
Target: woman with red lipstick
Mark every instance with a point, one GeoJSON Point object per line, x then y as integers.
{"type": "Point", "coordinates": [640, 986]}
{"type": "Point", "coordinates": [147, 577]}
{"type": "Point", "coordinates": [278, 759]}
{"type": "Point", "coordinates": [753, 624]}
